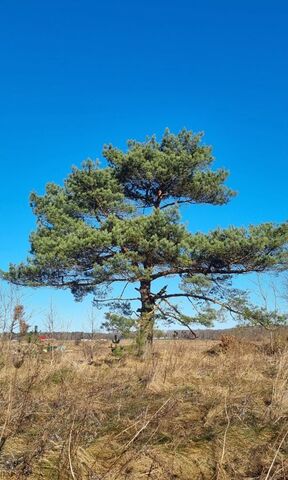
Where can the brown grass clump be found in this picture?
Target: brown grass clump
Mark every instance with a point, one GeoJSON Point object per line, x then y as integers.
{"type": "Point", "coordinates": [183, 414]}
{"type": "Point", "coordinates": [232, 344]}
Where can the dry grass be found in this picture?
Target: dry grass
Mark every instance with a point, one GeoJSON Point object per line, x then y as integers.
{"type": "Point", "coordinates": [185, 414]}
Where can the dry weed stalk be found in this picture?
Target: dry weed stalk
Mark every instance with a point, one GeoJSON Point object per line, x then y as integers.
{"type": "Point", "coordinates": [276, 454]}
{"type": "Point", "coordinates": [279, 402]}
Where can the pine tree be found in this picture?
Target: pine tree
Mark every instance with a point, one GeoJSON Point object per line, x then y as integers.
{"type": "Point", "coordinates": [121, 223]}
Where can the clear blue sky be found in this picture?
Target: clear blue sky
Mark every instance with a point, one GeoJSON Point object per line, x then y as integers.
{"type": "Point", "coordinates": [77, 74]}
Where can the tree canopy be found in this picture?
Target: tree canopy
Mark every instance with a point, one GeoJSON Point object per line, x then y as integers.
{"type": "Point", "coordinates": [121, 223]}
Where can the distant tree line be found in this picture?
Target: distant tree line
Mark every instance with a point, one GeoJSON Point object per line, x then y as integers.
{"type": "Point", "coordinates": [256, 333]}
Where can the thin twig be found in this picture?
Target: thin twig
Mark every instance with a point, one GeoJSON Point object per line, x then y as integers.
{"type": "Point", "coordinates": [275, 456]}
{"type": "Point", "coordinates": [224, 438]}
{"type": "Point", "coordinates": [146, 424]}
{"type": "Point", "coordinates": [69, 450]}
{"type": "Point", "coordinates": [226, 430]}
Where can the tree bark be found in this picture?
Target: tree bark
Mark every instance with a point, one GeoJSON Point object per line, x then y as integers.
{"type": "Point", "coordinates": [146, 322]}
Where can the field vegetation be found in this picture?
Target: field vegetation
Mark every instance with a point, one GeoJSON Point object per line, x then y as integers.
{"type": "Point", "coordinates": [193, 410]}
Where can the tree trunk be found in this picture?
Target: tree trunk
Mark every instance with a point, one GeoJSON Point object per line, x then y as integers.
{"type": "Point", "coordinates": [146, 322]}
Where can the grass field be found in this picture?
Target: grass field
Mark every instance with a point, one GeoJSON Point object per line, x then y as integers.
{"type": "Point", "coordinates": [194, 410]}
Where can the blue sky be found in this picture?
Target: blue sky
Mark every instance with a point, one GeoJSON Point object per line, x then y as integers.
{"type": "Point", "coordinates": [77, 74]}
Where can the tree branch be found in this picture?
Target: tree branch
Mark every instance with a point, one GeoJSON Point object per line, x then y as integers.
{"type": "Point", "coordinates": [176, 318]}
{"type": "Point", "coordinates": [204, 298]}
